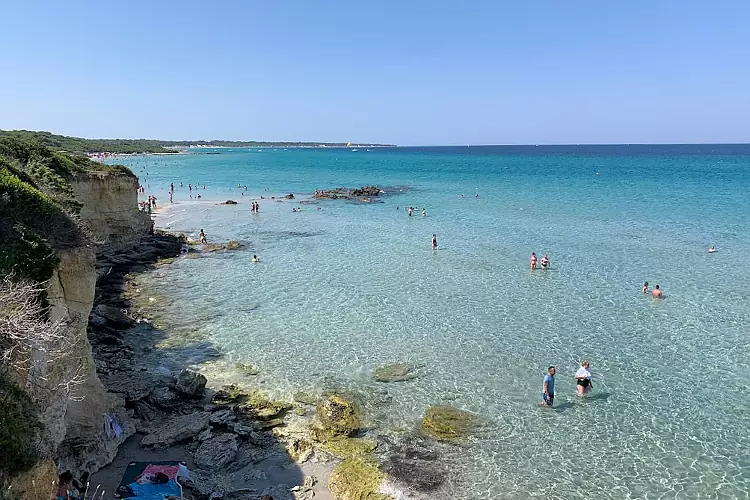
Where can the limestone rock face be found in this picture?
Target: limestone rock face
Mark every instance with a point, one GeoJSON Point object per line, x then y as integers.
{"type": "Point", "coordinates": [110, 202]}
{"type": "Point", "coordinates": [178, 429]}
{"type": "Point", "coordinates": [191, 383]}
{"type": "Point", "coordinates": [215, 453]}
{"type": "Point", "coordinates": [74, 420]}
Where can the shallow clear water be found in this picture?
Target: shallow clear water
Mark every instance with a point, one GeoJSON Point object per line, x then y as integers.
{"type": "Point", "coordinates": [349, 287]}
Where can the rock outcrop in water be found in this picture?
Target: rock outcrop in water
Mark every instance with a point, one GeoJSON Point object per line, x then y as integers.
{"type": "Point", "coordinates": [446, 423]}
{"type": "Point", "coordinates": [362, 194]}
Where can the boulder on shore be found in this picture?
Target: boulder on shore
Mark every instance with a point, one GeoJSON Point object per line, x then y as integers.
{"type": "Point", "coordinates": [335, 417]}
{"type": "Point", "coordinates": [215, 453]}
{"type": "Point", "coordinates": [177, 430]}
{"type": "Point", "coordinates": [114, 316]}
{"type": "Point", "coordinates": [191, 383]}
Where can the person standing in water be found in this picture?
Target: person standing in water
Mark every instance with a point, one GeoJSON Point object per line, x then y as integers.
{"type": "Point", "coordinates": [434, 242]}
{"type": "Point", "coordinates": [532, 261]}
{"type": "Point", "coordinates": [424, 212]}
{"type": "Point", "coordinates": [545, 261]}
{"type": "Point", "coordinates": [657, 294]}
{"type": "Point", "coordinates": [548, 387]}
{"type": "Point", "coordinates": [645, 287]}
{"type": "Point", "coordinates": [202, 238]}
{"type": "Point", "coordinates": [583, 379]}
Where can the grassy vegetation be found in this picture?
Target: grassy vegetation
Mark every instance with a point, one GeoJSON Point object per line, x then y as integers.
{"type": "Point", "coordinates": [37, 205]}
{"type": "Point", "coordinates": [126, 146]}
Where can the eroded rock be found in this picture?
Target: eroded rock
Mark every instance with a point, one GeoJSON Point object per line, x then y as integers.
{"type": "Point", "coordinates": [215, 453]}
{"type": "Point", "coordinates": [177, 430]}
{"type": "Point", "coordinates": [191, 383]}
{"type": "Point", "coordinates": [334, 417]}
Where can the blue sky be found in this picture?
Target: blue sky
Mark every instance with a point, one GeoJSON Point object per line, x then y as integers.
{"type": "Point", "coordinates": [407, 72]}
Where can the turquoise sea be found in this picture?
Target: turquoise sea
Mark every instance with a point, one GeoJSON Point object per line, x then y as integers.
{"type": "Point", "coordinates": [346, 287]}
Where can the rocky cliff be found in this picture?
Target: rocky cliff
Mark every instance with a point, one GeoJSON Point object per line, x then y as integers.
{"type": "Point", "coordinates": [74, 403]}
{"type": "Point", "coordinates": [110, 208]}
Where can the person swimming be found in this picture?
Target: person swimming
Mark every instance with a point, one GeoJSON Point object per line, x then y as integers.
{"type": "Point", "coordinates": [256, 259]}
{"type": "Point", "coordinates": [645, 287]}
{"type": "Point", "coordinates": [532, 261]}
{"type": "Point", "coordinates": [434, 242]}
{"type": "Point", "coordinates": [657, 293]}
{"type": "Point", "coordinates": [545, 261]}
{"type": "Point", "coordinates": [711, 249]}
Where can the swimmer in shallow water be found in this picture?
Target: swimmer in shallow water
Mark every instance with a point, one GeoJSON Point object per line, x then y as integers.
{"type": "Point", "coordinates": [711, 249]}
{"type": "Point", "coordinates": [583, 379]}
{"type": "Point", "coordinates": [532, 261]}
{"type": "Point", "coordinates": [657, 293]}
{"type": "Point", "coordinates": [645, 287]}
{"type": "Point", "coordinates": [434, 242]}
{"type": "Point", "coordinates": [256, 259]}
{"type": "Point", "coordinates": [545, 261]}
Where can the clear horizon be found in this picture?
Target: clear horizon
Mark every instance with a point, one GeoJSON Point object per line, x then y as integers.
{"type": "Point", "coordinates": [408, 74]}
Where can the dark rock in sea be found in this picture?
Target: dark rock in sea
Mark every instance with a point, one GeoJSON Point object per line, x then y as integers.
{"type": "Point", "coordinates": [366, 191]}
{"type": "Point", "coordinates": [229, 202]}
{"type": "Point", "coordinates": [217, 452]}
{"type": "Point", "coordinates": [290, 196]}
{"type": "Point", "coordinates": [348, 194]}
{"type": "Point", "coordinates": [412, 464]}
{"type": "Point", "coordinates": [114, 316]}
{"type": "Point", "coordinates": [191, 384]}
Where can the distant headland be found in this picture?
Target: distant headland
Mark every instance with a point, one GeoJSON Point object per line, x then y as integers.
{"type": "Point", "coordinates": [78, 145]}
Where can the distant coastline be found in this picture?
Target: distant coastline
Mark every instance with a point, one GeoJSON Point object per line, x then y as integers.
{"type": "Point", "coordinates": [78, 145]}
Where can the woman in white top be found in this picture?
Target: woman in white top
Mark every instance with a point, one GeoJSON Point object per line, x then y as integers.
{"type": "Point", "coordinates": [583, 379]}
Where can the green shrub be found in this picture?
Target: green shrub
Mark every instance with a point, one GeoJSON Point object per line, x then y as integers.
{"type": "Point", "coordinates": [18, 428]}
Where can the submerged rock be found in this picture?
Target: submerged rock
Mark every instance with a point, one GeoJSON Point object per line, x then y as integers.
{"type": "Point", "coordinates": [215, 453]}
{"type": "Point", "coordinates": [346, 447]}
{"type": "Point", "coordinates": [335, 417]}
{"type": "Point", "coordinates": [249, 370]}
{"type": "Point", "coordinates": [356, 479]}
{"type": "Point", "coordinates": [305, 398]}
{"type": "Point", "coordinates": [191, 383]}
{"type": "Point", "coordinates": [446, 423]}
{"type": "Point", "coordinates": [396, 372]}
{"type": "Point", "coordinates": [229, 202]}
